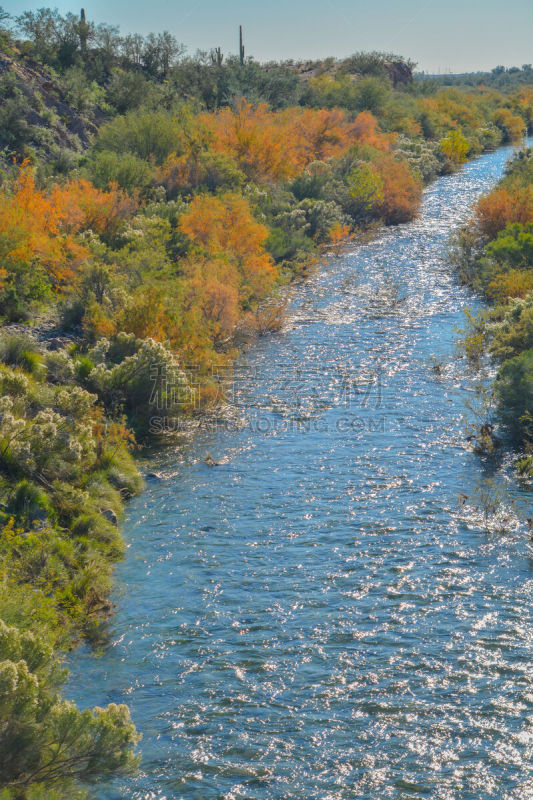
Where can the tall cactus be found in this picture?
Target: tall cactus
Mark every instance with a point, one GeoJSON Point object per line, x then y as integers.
{"type": "Point", "coordinates": [83, 32]}
{"type": "Point", "coordinates": [217, 59]}
{"type": "Point", "coordinates": [241, 47]}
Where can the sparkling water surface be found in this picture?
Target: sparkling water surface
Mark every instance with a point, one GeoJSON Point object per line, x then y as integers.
{"type": "Point", "coordinates": [332, 612]}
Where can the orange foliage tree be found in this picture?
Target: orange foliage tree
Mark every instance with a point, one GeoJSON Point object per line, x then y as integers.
{"type": "Point", "coordinates": [223, 228]}
{"type": "Point", "coordinates": [365, 129]}
{"type": "Point", "coordinates": [514, 283]}
{"type": "Point", "coordinates": [31, 230]}
{"type": "Point", "coordinates": [146, 315]}
{"type": "Point", "coordinates": [212, 297]}
{"type": "Point", "coordinates": [338, 233]}
{"type": "Point", "coordinates": [80, 205]}
{"type": "Point", "coordinates": [400, 197]}
{"type": "Point", "coordinates": [497, 209]}
{"type": "Point", "coordinates": [38, 226]}
{"type": "Point", "coordinates": [252, 136]}
{"type": "Point", "coordinates": [278, 145]}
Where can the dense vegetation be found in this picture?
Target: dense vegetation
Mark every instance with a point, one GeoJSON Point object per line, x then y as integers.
{"type": "Point", "coordinates": [65, 470]}
{"type": "Point", "coordinates": [151, 206]}
{"type": "Point", "coordinates": [495, 254]}
{"type": "Point", "coordinates": [502, 78]}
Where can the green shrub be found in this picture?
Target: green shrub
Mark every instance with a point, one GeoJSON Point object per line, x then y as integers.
{"type": "Point", "coordinates": [82, 94]}
{"type": "Point", "coordinates": [59, 367]}
{"type": "Point", "coordinates": [146, 135]}
{"type": "Point", "coordinates": [312, 182]}
{"type": "Point", "coordinates": [25, 286]}
{"type": "Point", "coordinates": [124, 169]}
{"type": "Point", "coordinates": [145, 382]}
{"type": "Point", "coordinates": [84, 367]}
{"type": "Point", "coordinates": [46, 741]}
{"type": "Point", "coordinates": [321, 216]}
{"type": "Point", "coordinates": [16, 350]}
{"type": "Point", "coordinates": [514, 388]}
{"type": "Point", "coordinates": [127, 90]}
{"type": "Point", "coordinates": [513, 331]}
{"type": "Point", "coordinates": [512, 248]}
{"type": "Point", "coordinates": [28, 502]}
{"type": "Point", "coordinates": [285, 245]}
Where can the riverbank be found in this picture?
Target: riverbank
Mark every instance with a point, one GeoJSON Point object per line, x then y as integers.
{"type": "Point", "coordinates": [327, 562]}
{"type": "Point", "coordinates": [494, 254]}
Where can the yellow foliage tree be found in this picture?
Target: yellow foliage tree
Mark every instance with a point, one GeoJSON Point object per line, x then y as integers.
{"type": "Point", "coordinates": [455, 147]}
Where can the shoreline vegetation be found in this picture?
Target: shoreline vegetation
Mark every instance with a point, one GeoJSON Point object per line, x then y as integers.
{"type": "Point", "coordinates": [493, 253]}
{"type": "Point", "coordinates": [152, 206]}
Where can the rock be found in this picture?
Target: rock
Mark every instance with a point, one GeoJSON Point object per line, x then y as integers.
{"type": "Point", "coordinates": [56, 344]}
{"type": "Point", "coordinates": [486, 440]}
{"type": "Point", "coordinates": [399, 72]}
{"type": "Point", "coordinates": [110, 515]}
{"type": "Point", "coordinates": [153, 476]}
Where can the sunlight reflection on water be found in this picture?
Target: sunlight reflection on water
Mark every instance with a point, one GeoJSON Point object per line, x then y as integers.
{"type": "Point", "coordinates": [324, 615]}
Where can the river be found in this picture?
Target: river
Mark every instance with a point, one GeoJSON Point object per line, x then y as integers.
{"type": "Point", "coordinates": [332, 612]}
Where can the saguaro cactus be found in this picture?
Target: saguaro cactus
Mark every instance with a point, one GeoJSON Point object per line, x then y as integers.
{"type": "Point", "coordinates": [83, 32]}
{"type": "Point", "coordinates": [241, 47]}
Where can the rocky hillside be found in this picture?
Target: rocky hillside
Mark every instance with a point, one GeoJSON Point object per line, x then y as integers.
{"type": "Point", "coordinates": [398, 70]}
{"type": "Point", "coordinates": [36, 117]}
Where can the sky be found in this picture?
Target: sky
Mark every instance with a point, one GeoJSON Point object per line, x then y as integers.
{"type": "Point", "coordinates": [455, 35]}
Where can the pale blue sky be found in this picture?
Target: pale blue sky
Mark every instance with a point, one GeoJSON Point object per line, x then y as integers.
{"type": "Point", "coordinates": [459, 35]}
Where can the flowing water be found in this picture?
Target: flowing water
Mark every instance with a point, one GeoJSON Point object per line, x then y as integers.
{"type": "Point", "coordinates": [334, 611]}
